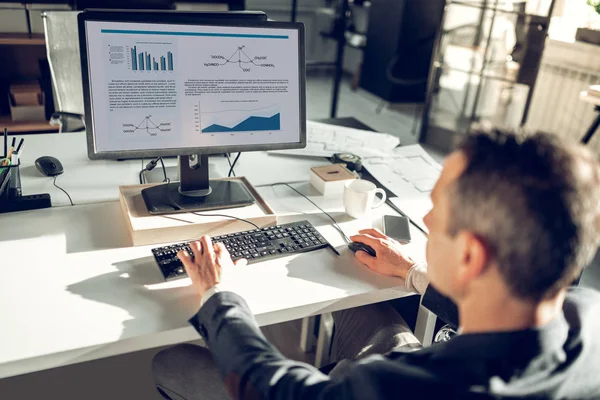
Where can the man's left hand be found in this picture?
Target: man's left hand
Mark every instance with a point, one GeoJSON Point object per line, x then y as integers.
{"type": "Point", "coordinates": [205, 269]}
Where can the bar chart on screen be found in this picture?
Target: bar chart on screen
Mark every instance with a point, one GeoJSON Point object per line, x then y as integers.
{"type": "Point", "coordinates": [150, 60]}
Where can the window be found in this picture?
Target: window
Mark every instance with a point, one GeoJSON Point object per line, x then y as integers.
{"type": "Point", "coordinates": [570, 15]}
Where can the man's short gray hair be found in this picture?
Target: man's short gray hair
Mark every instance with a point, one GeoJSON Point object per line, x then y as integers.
{"type": "Point", "coordinates": [535, 203]}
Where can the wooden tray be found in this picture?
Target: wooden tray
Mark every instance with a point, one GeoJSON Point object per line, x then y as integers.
{"type": "Point", "coordinates": [145, 229]}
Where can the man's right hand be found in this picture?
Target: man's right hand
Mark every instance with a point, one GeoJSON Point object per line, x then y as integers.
{"type": "Point", "coordinates": [390, 259]}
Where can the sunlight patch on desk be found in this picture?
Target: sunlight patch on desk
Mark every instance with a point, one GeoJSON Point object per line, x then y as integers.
{"type": "Point", "coordinates": [179, 283]}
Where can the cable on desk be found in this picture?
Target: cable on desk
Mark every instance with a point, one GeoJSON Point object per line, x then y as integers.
{"type": "Point", "coordinates": [177, 207]}
{"type": "Point", "coordinates": [335, 224]}
{"type": "Point", "coordinates": [226, 216]}
{"type": "Point", "coordinates": [64, 191]}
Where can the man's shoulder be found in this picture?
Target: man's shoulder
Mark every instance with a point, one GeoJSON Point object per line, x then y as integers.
{"type": "Point", "coordinates": [582, 299]}
{"type": "Point", "coordinates": [581, 308]}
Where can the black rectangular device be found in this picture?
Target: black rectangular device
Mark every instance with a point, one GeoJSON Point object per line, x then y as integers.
{"type": "Point", "coordinates": [397, 227]}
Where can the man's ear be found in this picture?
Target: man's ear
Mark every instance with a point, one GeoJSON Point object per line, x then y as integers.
{"type": "Point", "coordinates": [474, 257]}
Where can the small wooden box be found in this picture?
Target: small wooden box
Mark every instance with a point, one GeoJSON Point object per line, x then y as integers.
{"type": "Point", "coordinates": [145, 229]}
{"type": "Point", "coordinates": [330, 179]}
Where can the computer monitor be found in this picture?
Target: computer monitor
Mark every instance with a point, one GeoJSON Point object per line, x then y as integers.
{"type": "Point", "coordinates": [173, 85]}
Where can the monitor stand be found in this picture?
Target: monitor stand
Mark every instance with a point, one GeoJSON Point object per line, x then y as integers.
{"type": "Point", "coordinates": [195, 192]}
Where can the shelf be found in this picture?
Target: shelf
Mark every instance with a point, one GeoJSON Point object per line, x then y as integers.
{"type": "Point", "coordinates": [25, 127]}
{"type": "Point", "coordinates": [22, 39]}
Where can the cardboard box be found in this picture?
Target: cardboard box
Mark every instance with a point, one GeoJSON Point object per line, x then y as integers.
{"type": "Point", "coordinates": [27, 113]}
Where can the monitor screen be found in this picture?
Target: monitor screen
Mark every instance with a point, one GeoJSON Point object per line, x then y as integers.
{"type": "Point", "coordinates": [172, 89]}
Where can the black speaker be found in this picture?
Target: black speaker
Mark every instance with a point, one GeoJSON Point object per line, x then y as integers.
{"type": "Point", "coordinates": [400, 42]}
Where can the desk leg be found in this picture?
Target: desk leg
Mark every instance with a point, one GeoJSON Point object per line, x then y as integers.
{"type": "Point", "coordinates": [324, 340]}
{"type": "Point", "coordinates": [307, 334]}
{"type": "Point", "coordinates": [590, 133]}
{"type": "Point", "coordinates": [425, 326]}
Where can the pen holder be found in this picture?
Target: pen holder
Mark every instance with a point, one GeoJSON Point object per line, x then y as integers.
{"type": "Point", "coordinates": [10, 182]}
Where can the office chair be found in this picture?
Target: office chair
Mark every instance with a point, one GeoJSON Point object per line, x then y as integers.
{"type": "Point", "coordinates": [62, 48]}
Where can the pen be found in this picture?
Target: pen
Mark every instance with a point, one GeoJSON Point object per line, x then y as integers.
{"type": "Point", "coordinates": [20, 145]}
{"type": "Point", "coordinates": [5, 142]}
{"type": "Point", "coordinates": [334, 250]}
{"type": "Point", "coordinates": [14, 141]}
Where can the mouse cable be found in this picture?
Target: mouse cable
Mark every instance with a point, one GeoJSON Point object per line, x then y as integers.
{"type": "Point", "coordinates": [64, 191]}
{"type": "Point", "coordinates": [232, 165]}
{"type": "Point", "coordinates": [335, 224]}
{"type": "Point", "coordinates": [177, 207]}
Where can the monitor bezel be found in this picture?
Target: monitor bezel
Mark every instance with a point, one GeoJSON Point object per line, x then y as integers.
{"type": "Point", "coordinates": [205, 19]}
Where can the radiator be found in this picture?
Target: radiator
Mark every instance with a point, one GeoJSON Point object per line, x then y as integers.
{"type": "Point", "coordinates": [565, 72]}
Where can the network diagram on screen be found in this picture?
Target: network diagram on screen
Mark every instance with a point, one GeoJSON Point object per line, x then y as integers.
{"type": "Point", "coordinates": [160, 86]}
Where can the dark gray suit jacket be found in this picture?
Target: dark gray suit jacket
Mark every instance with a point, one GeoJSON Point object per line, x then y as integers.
{"type": "Point", "coordinates": [558, 361]}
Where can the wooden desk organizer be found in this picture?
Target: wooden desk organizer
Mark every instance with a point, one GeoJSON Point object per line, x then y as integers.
{"type": "Point", "coordinates": [146, 229]}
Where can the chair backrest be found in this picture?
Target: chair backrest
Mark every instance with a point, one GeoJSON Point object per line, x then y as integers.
{"type": "Point", "coordinates": [62, 47]}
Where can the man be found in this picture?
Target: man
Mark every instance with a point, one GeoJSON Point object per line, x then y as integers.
{"type": "Point", "coordinates": [514, 221]}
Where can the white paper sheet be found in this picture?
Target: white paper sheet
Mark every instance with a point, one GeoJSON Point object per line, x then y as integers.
{"type": "Point", "coordinates": [324, 140]}
{"type": "Point", "coordinates": [405, 165]}
{"type": "Point", "coordinates": [410, 173]}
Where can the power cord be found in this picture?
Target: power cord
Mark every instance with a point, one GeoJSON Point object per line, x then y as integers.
{"type": "Point", "coordinates": [63, 190]}
{"type": "Point", "coordinates": [150, 166]}
{"type": "Point", "coordinates": [232, 165]}
{"type": "Point", "coordinates": [227, 216]}
{"type": "Point", "coordinates": [228, 156]}
{"type": "Point", "coordinates": [177, 207]}
{"type": "Point", "coordinates": [335, 224]}
{"type": "Point", "coordinates": [162, 163]}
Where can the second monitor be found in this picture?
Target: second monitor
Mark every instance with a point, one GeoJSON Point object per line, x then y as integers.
{"type": "Point", "coordinates": [169, 87]}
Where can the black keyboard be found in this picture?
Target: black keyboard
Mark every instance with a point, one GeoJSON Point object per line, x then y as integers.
{"type": "Point", "coordinates": [255, 245]}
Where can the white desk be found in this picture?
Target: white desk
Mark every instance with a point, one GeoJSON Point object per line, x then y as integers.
{"type": "Point", "coordinates": [73, 290]}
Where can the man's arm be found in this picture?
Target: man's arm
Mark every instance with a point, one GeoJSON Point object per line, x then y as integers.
{"type": "Point", "coordinates": [251, 366]}
{"type": "Point", "coordinates": [392, 261]}
{"type": "Point", "coordinates": [434, 301]}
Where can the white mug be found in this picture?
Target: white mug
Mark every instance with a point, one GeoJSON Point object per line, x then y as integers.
{"type": "Point", "coordinates": [359, 197]}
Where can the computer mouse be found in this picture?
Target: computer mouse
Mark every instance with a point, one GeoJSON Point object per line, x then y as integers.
{"type": "Point", "coordinates": [356, 246]}
{"type": "Point", "coordinates": [49, 166]}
